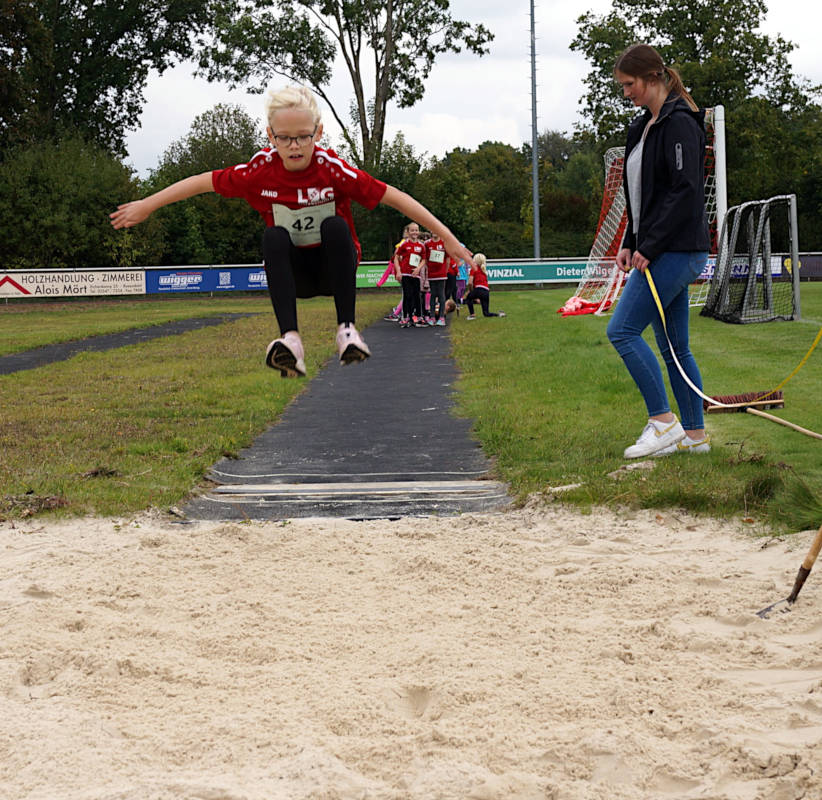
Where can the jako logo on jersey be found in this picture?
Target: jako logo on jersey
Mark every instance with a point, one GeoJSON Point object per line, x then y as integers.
{"type": "Point", "coordinates": [313, 196]}
{"type": "Point", "coordinates": [269, 193]}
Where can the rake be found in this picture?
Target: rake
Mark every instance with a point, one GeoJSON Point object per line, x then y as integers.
{"type": "Point", "coordinates": [801, 576]}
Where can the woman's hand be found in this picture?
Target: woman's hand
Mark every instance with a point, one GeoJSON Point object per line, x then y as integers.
{"type": "Point", "coordinates": [623, 259]}
{"type": "Point", "coordinates": [639, 261]}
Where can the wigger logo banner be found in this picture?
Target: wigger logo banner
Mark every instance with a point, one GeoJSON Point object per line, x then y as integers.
{"type": "Point", "coordinates": [225, 278]}
{"type": "Point", "coordinates": [71, 283]}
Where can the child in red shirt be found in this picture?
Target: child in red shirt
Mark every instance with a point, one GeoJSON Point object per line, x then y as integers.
{"type": "Point", "coordinates": [304, 194]}
{"type": "Point", "coordinates": [409, 259]}
{"type": "Point", "coordinates": [437, 259]}
{"type": "Point", "coordinates": [478, 289]}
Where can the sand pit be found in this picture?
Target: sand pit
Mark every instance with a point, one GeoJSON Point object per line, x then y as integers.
{"type": "Point", "coordinates": [534, 654]}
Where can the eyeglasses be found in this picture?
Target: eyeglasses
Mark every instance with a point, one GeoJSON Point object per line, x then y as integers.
{"type": "Point", "coordinates": [285, 141]}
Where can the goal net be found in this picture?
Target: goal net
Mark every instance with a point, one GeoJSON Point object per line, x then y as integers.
{"type": "Point", "coordinates": [601, 281]}
{"type": "Point", "coordinates": [755, 278]}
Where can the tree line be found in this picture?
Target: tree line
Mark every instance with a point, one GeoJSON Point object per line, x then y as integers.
{"type": "Point", "coordinates": [72, 76]}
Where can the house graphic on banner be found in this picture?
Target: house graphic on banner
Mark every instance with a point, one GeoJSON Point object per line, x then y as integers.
{"type": "Point", "coordinates": [9, 290]}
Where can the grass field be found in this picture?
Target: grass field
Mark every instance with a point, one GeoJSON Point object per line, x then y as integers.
{"type": "Point", "coordinates": [116, 432]}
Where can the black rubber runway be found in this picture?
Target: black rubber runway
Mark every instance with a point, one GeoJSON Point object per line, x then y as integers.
{"type": "Point", "coordinates": [39, 357]}
{"type": "Point", "coordinates": [376, 439]}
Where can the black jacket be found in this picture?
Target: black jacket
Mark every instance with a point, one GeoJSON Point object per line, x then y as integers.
{"type": "Point", "coordinates": [672, 215]}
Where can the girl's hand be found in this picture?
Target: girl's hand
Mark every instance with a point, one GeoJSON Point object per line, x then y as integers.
{"type": "Point", "coordinates": [623, 259]}
{"type": "Point", "coordinates": [457, 251]}
{"type": "Point", "coordinates": [128, 215]}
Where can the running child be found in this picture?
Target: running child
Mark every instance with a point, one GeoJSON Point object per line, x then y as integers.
{"type": "Point", "coordinates": [303, 193]}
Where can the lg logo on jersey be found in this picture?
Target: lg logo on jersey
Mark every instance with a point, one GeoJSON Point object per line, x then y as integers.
{"type": "Point", "coordinates": [313, 197]}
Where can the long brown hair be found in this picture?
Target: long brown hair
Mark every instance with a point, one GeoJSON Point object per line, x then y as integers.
{"type": "Point", "coordinates": [643, 61]}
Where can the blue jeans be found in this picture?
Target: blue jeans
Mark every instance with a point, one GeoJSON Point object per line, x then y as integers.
{"type": "Point", "coordinates": [636, 309]}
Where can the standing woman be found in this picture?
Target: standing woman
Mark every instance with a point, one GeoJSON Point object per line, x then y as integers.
{"type": "Point", "coordinates": [667, 233]}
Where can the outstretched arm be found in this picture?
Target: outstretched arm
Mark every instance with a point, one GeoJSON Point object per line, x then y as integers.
{"type": "Point", "coordinates": [128, 215]}
{"type": "Point", "coordinates": [415, 210]}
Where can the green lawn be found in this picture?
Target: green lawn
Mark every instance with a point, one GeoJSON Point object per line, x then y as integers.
{"type": "Point", "coordinates": [25, 325]}
{"type": "Point", "coordinates": [554, 404]}
{"type": "Point", "coordinates": [117, 432]}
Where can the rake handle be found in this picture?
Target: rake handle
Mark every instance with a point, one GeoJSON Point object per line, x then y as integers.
{"type": "Point", "coordinates": [784, 422]}
{"type": "Point", "coordinates": [807, 565]}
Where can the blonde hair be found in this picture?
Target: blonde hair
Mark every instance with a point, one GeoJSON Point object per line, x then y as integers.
{"type": "Point", "coordinates": [480, 260]}
{"type": "Point", "coordinates": [643, 61]}
{"type": "Point", "coordinates": [299, 98]}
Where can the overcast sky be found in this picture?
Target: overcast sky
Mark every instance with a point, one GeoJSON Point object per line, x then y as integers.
{"type": "Point", "coordinates": [468, 99]}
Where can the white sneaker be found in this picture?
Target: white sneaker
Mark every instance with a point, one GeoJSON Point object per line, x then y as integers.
{"type": "Point", "coordinates": [286, 354]}
{"type": "Point", "coordinates": [350, 344]}
{"type": "Point", "coordinates": [686, 445]}
{"type": "Point", "coordinates": [655, 436]}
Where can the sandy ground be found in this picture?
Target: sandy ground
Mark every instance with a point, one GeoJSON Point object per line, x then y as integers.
{"type": "Point", "coordinates": [534, 654]}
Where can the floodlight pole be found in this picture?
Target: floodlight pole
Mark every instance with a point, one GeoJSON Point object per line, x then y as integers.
{"type": "Point", "coordinates": [534, 153]}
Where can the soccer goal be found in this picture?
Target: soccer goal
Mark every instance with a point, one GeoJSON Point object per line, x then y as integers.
{"type": "Point", "coordinates": [602, 281]}
{"type": "Point", "coordinates": [756, 277]}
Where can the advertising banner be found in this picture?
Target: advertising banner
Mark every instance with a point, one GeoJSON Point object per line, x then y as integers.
{"type": "Point", "coordinates": [368, 273]}
{"type": "Point", "coordinates": [535, 272]}
{"type": "Point", "coordinates": [37, 284]}
{"type": "Point", "coordinates": [242, 278]}
{"type": "Point", "coordinates": [523, 272]}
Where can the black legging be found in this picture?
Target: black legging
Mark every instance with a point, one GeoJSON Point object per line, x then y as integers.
{"type": "Point", "coordinates": [451, 287]}
{"type": "Point", "coordinates": [437, 294]}
{"type": "Point", "coordinates": [328, 269]}
{"type": "Point", "coordinates": [481, 294]}
{"type": "Point", "coordinates": [410, 295]}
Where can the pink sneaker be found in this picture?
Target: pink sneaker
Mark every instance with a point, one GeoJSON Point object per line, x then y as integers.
{"type": "Point", "coordinates": [286, 354]}
{"type": "Point", "coordinates": [350, 344]}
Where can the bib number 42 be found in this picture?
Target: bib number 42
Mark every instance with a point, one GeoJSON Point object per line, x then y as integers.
{"type": "Point", "coordinates": [303, 224]}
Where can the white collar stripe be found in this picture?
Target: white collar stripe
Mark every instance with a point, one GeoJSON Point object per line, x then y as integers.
{"type": "Point", "coordinates": [337, 162]}
{"type": "Point", "coordinates": [258, 154]}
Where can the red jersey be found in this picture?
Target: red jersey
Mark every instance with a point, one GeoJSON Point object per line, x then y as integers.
{"type": "Point", "coordinates": [409, 254]}
{"type": "Point", "coordinates": [437, 259]}
{"type": "Point", "coordinates": [299, 201]}
{"type": "Point", "coordinates": [453, 267]}
{"type": "Point", "coordinates": [479, 278]}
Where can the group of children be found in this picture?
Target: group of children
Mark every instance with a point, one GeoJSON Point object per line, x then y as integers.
{"type": "Point", "coordinates": [433, 282]}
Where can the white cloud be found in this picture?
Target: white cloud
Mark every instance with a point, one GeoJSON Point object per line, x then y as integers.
{"type": "Point", "coordinates": [468, 99]}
